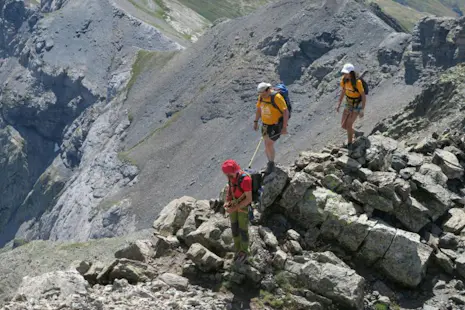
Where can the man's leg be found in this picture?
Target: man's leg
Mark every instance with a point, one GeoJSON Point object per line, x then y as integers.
{"type": "Point", "coordinates": [243, 220]}
{"type": "Point", "coordinates": [235, 230]}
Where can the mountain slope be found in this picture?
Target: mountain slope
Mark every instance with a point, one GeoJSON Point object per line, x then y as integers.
{"type": "Point", "coordinates": [409, 12]}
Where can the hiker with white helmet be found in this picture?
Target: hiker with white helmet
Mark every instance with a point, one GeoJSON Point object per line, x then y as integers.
{"type": "Point", "coordinates": [274, 113]}
{"type": "Point", "coordinates": [354, 89]}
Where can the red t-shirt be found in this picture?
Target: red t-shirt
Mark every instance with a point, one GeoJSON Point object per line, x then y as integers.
{"type": "Point", "coordinates": [246, 186]}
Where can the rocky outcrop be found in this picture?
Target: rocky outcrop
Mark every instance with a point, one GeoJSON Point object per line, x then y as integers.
{"type": "Point", "coordinates": [437, 42]}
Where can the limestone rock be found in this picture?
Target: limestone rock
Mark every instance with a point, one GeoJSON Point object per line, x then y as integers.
{"type": "Point", "coordinates": [448, 163]}
{"type": "Point", "coordinates": [178, 282]}
{"type": "Point", "coordinates": [173, 216]}
{"type": "Point", "coordinates": [273, 186]}
{"type": "Point", "coordinates": [268, 237]}
{"type": "Point", "coordinates": [58, 283]}
{"type": "Point", "coordinates": [140, 250]}
{"type": "Point", "coordinates": [406, 259]}
{"type": "Point", "coordinates": [203, 258]}
{"type": "Point", "coordinates": [456, 222]}
{"type": "Point", "coordinates": [296, 189]}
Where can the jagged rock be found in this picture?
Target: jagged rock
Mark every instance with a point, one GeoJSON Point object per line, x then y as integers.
{"type": "Point", "coordinates": [140, 250]}
{"type": "Point", "coordinates": [403, 189]}
{"type": "Point", "coordinates": [268, 237]}
{"type": "Point", "coordinates": [301, 303]}
{"type": "Point", "coordinates": [369, 195]}
{"type": "Point", "coordinates": [332, 182]}
{"type": "Point", "coordinates": [273, 186]}
{"type": "Point", "coordinates": [434, 172]}
{"type": "Point", "coordinates": [203, 258]}
{"type": "Point", "coordinates": [364, 173]}
{"type": "Point", "coordinates": [456, 151]}
{"type": "Point", "coordinates": [412, 214]}
{"type": "Point", "coordinates": [313, 168]}
{"type": "Point", "coordinates": [456, 222]}
{"type": "Point", "coordinates": [60, 284]}
{"type": "Point", "coordinates": [339, 214]}
{"type": "Point", "coordinates": [305, 158]}
{"type": "Point", "coordinates": [173, 216]}
{"type": "Point", "coordinates": [294, 247]}
{"type": "Point", "coordinates": [81, 266]}
{"type": "Point", "coordinates": [426, 146]}
{"type": "Point", "coordinates": [310, 210]}
{"type": "Point", "coordinates": [382, 178]}
{"type": "Point", "coordinates": [444, 261]}
{"type": "Point", "coordinates": [398, 163]}
{"type": "Point", "coordinates": [348, 164]}
{"type": "Point", "coordinates": [163, 244]}
{"type": "Point", "coordinates": [311, 237]}
{"type": "Point", "coordinates": [293, 235]}
{"type": "Point", "coordinates": [355, 232]}
{"type": "Point", "coordinates": [133, 271]}
{"type": "Point", "coordinates": [178, 282]}
{"type": "Point", "coordinates": [377, 243]}
{"type": "Point", "coordinates": [196, 217]}
{"type": "Point", "coordinates": [215, 234]}
{"type": "Point", "coordinates": [296, 189]}
{"type": "Point", "coordinates": [448, 163]}
{"type": "Point", "coordinates": [336, 282]}
{"type": "Point", "coordinates": [460, 265]}
{"type": "Point", "coordinates": [379, 153]}
{"type": "Point", "coordinates": [279, 259]}
{"type": "Point", "coordinates": [450, 253]}
{"type": "Point", "coordinates": [249, 272]}
{"type": "Point", "coordinates": [449, 241]}
{"type": "Point", "coordinates": [392, 48]}
{"type": "Point", "coordinates": [406, 259]}
{"type": "Point", "coordinates": [414, 159]}
{"type": "Point", "coordinates": [407, 173]}
{"type": "Point", "coordinates": [257, 248]}
{"type": "Point", "coordinates": [437, 199]}
{"type": "Point", "coordinates": [95, 269]}
{"type": "Point", "coordinates": [293, 267]}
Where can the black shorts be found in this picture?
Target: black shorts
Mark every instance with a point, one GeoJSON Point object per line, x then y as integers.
{"type": "Point", "coordinates": [272, 131]}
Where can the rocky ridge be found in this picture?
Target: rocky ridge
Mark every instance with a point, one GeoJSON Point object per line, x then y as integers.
{"type": "Point", "coordinates": [110, 157]}
{"type": "Point", "coordinates": [380, 226]}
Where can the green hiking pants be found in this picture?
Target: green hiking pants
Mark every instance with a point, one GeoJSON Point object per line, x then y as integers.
{"type": "Point", "coordinates": [240, 230]}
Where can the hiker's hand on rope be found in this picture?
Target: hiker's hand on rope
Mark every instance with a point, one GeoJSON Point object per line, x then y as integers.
{"type": "Point", "coordinates": [338, 108]}
{"type": "Point", "coordinates": [255, 126]}
{"type": "Point", "coordinates": [284, 131]}
{"type": "Point", "coordinates": [361, 113]}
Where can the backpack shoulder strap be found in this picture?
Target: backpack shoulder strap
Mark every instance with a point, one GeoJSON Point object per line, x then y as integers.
{"type": "Point", "coordinates": [272, 95]}
{"type": "Point", "coordinates": [239, 181]}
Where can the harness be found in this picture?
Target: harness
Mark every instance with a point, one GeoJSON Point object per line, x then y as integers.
{"type": "Point", "coordinates": [237, 185]}
{"type": "Point", "coordinates": [353, 102]}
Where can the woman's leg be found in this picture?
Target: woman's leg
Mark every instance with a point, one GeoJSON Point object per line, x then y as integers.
{"type": "Point", "coordinates": [345, 115]}
{"type": "Point", "coordinates": [350, 126]}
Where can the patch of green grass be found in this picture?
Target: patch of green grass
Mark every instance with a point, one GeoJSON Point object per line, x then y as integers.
{"type": "Point", "coordinates": [146, 60]}
{"type": "Point", "coordinates": [125, 158]}
{"type": "Point", "coordinates": [19, 242]}
{"type": "Point", "coordinates": [160, 13]}
{"type": "Point", "coordinates": [107, 204]}
{"type": "Point", "coordinates": [173, 118]}
{"type": "Point", "coordinates": [379, 306]}
{"type": "Point", "coordinates": [73, 246]}
{"type": "Point", "coordinates": [214, 9]}
{"type": "Point", "coordinates": [130, 117]}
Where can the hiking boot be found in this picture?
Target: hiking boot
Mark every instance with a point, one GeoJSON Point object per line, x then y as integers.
{"type": "Point", "coordinates": [350, 147]}
{"type": "Point", "coordinates": [270, 167]}
{"type": "Point", "coordinates": [241, 258]}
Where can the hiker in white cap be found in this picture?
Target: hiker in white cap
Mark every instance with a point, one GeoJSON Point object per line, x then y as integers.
{"type": "Point", "coordinates": [354, 92]}
{"type": "Point", "coordinates": [272, 109]}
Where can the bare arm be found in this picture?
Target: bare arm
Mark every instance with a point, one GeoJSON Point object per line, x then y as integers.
{"type": "Point", "coordinates": [364, 100]}
{"type": "Point", "coordinates": [285, 118]}
{"type": "Point", "coordinates": [341, 97]}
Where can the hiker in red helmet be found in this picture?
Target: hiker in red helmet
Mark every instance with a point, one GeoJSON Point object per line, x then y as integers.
{"type": "Point", "coordinates": [238, 198]}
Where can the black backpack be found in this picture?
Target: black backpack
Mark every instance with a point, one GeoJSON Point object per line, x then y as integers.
{"type": "Point", "coordinates": [257, 180]}
{"type": "Point", "coordinates": [364, 83]}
